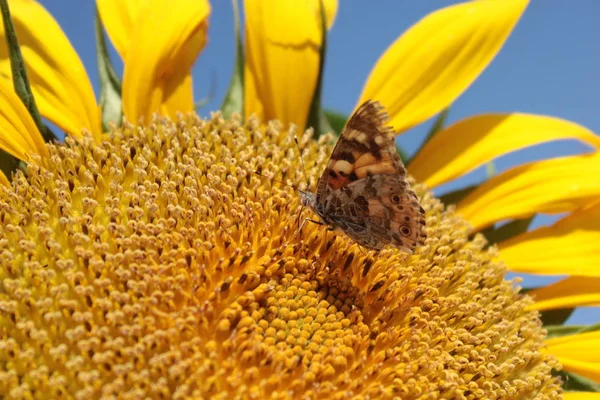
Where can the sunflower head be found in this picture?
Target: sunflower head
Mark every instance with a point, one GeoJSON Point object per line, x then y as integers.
{"type": "Point", "coordinates": [156, 264]}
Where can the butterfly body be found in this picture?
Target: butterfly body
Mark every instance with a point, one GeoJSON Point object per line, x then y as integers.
{"type": "Point", "coordinates": [364, 191]}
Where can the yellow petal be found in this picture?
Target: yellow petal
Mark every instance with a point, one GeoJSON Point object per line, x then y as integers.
{"type": "Point", "coordinates": [283, 38]}
{"type": "Point", "coordinates": [474, 141]}
{"type": "Point", "coordinates": [578, 353]}
{"type": "Point", "coordinates": [580, 396]}
{"type": "Point", "coordinates": [3, 179]}
{"type": "Point", "coordinates": [573, 291]}
{"type": "Point", "coordinates": [60, 85]}
{"type": "Point", "coordinates": [331, 7]}
{"type": "Point", "coordinates": [570, 246]}
{"type": "Point", "coordinates": [432, 63]}
{"type": "Point", "coordinates": [19, 135]}
{"type": "Point", "coordinates": [166, 41]}
{"type": "Point", "coordinates": [118, 18]}
{"type": "Point", "coordinates": [549, 186]}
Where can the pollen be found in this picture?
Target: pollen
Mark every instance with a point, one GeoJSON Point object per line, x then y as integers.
{"type": "Point", "coordinates": [157, 264]}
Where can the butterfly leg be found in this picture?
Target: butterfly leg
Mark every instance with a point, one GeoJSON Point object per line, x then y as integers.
{"type": "Point", "coordinates": [361, 249]}
{"type": "Point", "coordinates": [298, 219]}
{"type": "Point", "coordinates": [310, 220]}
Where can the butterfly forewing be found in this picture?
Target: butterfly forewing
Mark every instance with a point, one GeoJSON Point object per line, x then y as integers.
{"type": "Point", "coordinates": [364, 190]}
{"type": "Point", "coordinates": [365, 147]}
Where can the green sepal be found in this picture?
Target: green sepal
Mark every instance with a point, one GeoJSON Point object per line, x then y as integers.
{"type": "Point", "coordinates": [490, 169]}
{"type": "Point", "coordinates": [403, 153]}
{"type": "Point", "coordinates": [19, 73]}
{"type": "Point", "coordinates": [457, 195]}
{"type": "Point", "coordinates": [234, 99]}
{"type": "Point", "coordinates": [111, 105]}
{"type": "Point", "coordinates": [555, 317]}
{"type": "Point", "coordinates": [507, 231]}
{"type": "Point", "coordinates": [566, 330]}
{"type": "Point", "coordinates": [438, 125]}
{"type": "Point", "coordinates": [316, 115]}
{"type": "Point", "coordinates": [8, 163]}
{"type": "Point", "coordinates": [336, 119]}
{"type": "Point", "coordinates": [211, 93]}
{"type": "Point", "coordinates": [577, 383]}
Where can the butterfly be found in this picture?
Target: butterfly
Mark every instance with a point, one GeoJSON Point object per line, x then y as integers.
{"type": "Point", "coordinates": [364, 191]}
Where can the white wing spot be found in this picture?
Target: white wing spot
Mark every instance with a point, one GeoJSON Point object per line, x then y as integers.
{"type": "Point", "coordinates": [343, 166]}
{"type": "Point", "coordinates": [362, 138]}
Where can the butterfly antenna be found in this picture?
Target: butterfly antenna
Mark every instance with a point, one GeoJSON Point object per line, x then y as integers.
{"type": "Point", "coordinates": [277, 181]}
{"type": "Point", "coordinates": [288, 185]}
{"type": "Point", "coordinates": [301, 160]}
{"type": "Point", "coordinates": [305, 178]}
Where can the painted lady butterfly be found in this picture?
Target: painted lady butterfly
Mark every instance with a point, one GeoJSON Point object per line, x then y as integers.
{"type": "Point", "coordinates": [363, 191]}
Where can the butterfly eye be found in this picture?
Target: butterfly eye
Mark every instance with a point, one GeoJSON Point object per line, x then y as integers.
{"type": "Point", "coordinates": [405, 230]}
{"type": "Point", "coordinates": [395, 199]}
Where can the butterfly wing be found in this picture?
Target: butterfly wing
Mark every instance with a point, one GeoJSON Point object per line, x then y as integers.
{"type": "Point", "coordinates": [378, 210]}
{"type": "Point", "coordinates": [364, 190]}
{"type": "Point", "coordinates": [365, 147]}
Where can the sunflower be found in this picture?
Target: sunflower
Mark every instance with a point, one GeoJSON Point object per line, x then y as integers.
{"type": "Point", "coordinates": [144, 259]}
{"type": "Point", "coordinates": [419, 76]}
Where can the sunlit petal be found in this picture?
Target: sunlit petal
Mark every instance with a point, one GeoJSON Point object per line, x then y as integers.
{"type": "Point", "coordinates": [549, 186]}
{"type": "Point", "coordinates": [431, 64]}
{"type": "Point", "coordinates": [157, 67]}
{"type": "Point", "coordinates": [283, 38]}
{"type": "Point", "coordinates": [19, 135]}
{"type": "Point", "coordinates": [574, 291]}
{"type": "Point", "coordinates": [61, 87]}
{"type": "Point", "coordinates": [578, 353]}
{"type": "Point", "coordinates": [580, 396]}
{"type": "Point", "coordinates": [3, 179]}
{"type": "Point", "coordinates": [118, 18]}
{"type": "Point", "coordinates": [331, 7]}
{"type": "Point", "coordinates": [570, 246]}
{"type": "Point", "coordinates": [474, 141]}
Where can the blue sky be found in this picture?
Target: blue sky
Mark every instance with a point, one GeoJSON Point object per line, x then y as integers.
{"type": "Point", "coordinates": [550, 65]}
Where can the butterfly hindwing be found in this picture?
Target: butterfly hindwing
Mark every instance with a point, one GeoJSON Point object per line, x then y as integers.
{"type": "Point", "coordinates": [379, 210]}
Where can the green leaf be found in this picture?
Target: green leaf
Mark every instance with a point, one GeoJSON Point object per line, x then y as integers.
{"type": "Point", "coordinates": [565, 330]}
{"type": "Point", "coordinates": [403, 154]}
{"type": "Point", "coordinates": [438, 125]}
{"type": "Point", "coordinates": [457, 195]}
{"type": "Point", "coordinates": [506, 231]}
{"type": "Point", "coordinates": [110, 84]}
{"type": "Point", "coordinates": [8, 163]}
{"type": "Point", "coordinates": [490, 169]}
{"type": "Point", "coordinates": [336, 119]}
{"type": "Point", "coordinates": [590, 328]}
{"type": "Point", "coordinates": [316, 115]}
{"type": "Point", "coordinates": [555, 317]}
{"type": "Point", "coordinates": [577, 383]}
{"type": "Point", "coordinates": [19, 73]}
{"type": "Point", "coordinates": [562, 330]}
{"type": "Point", "coordinates": [234, 99]}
